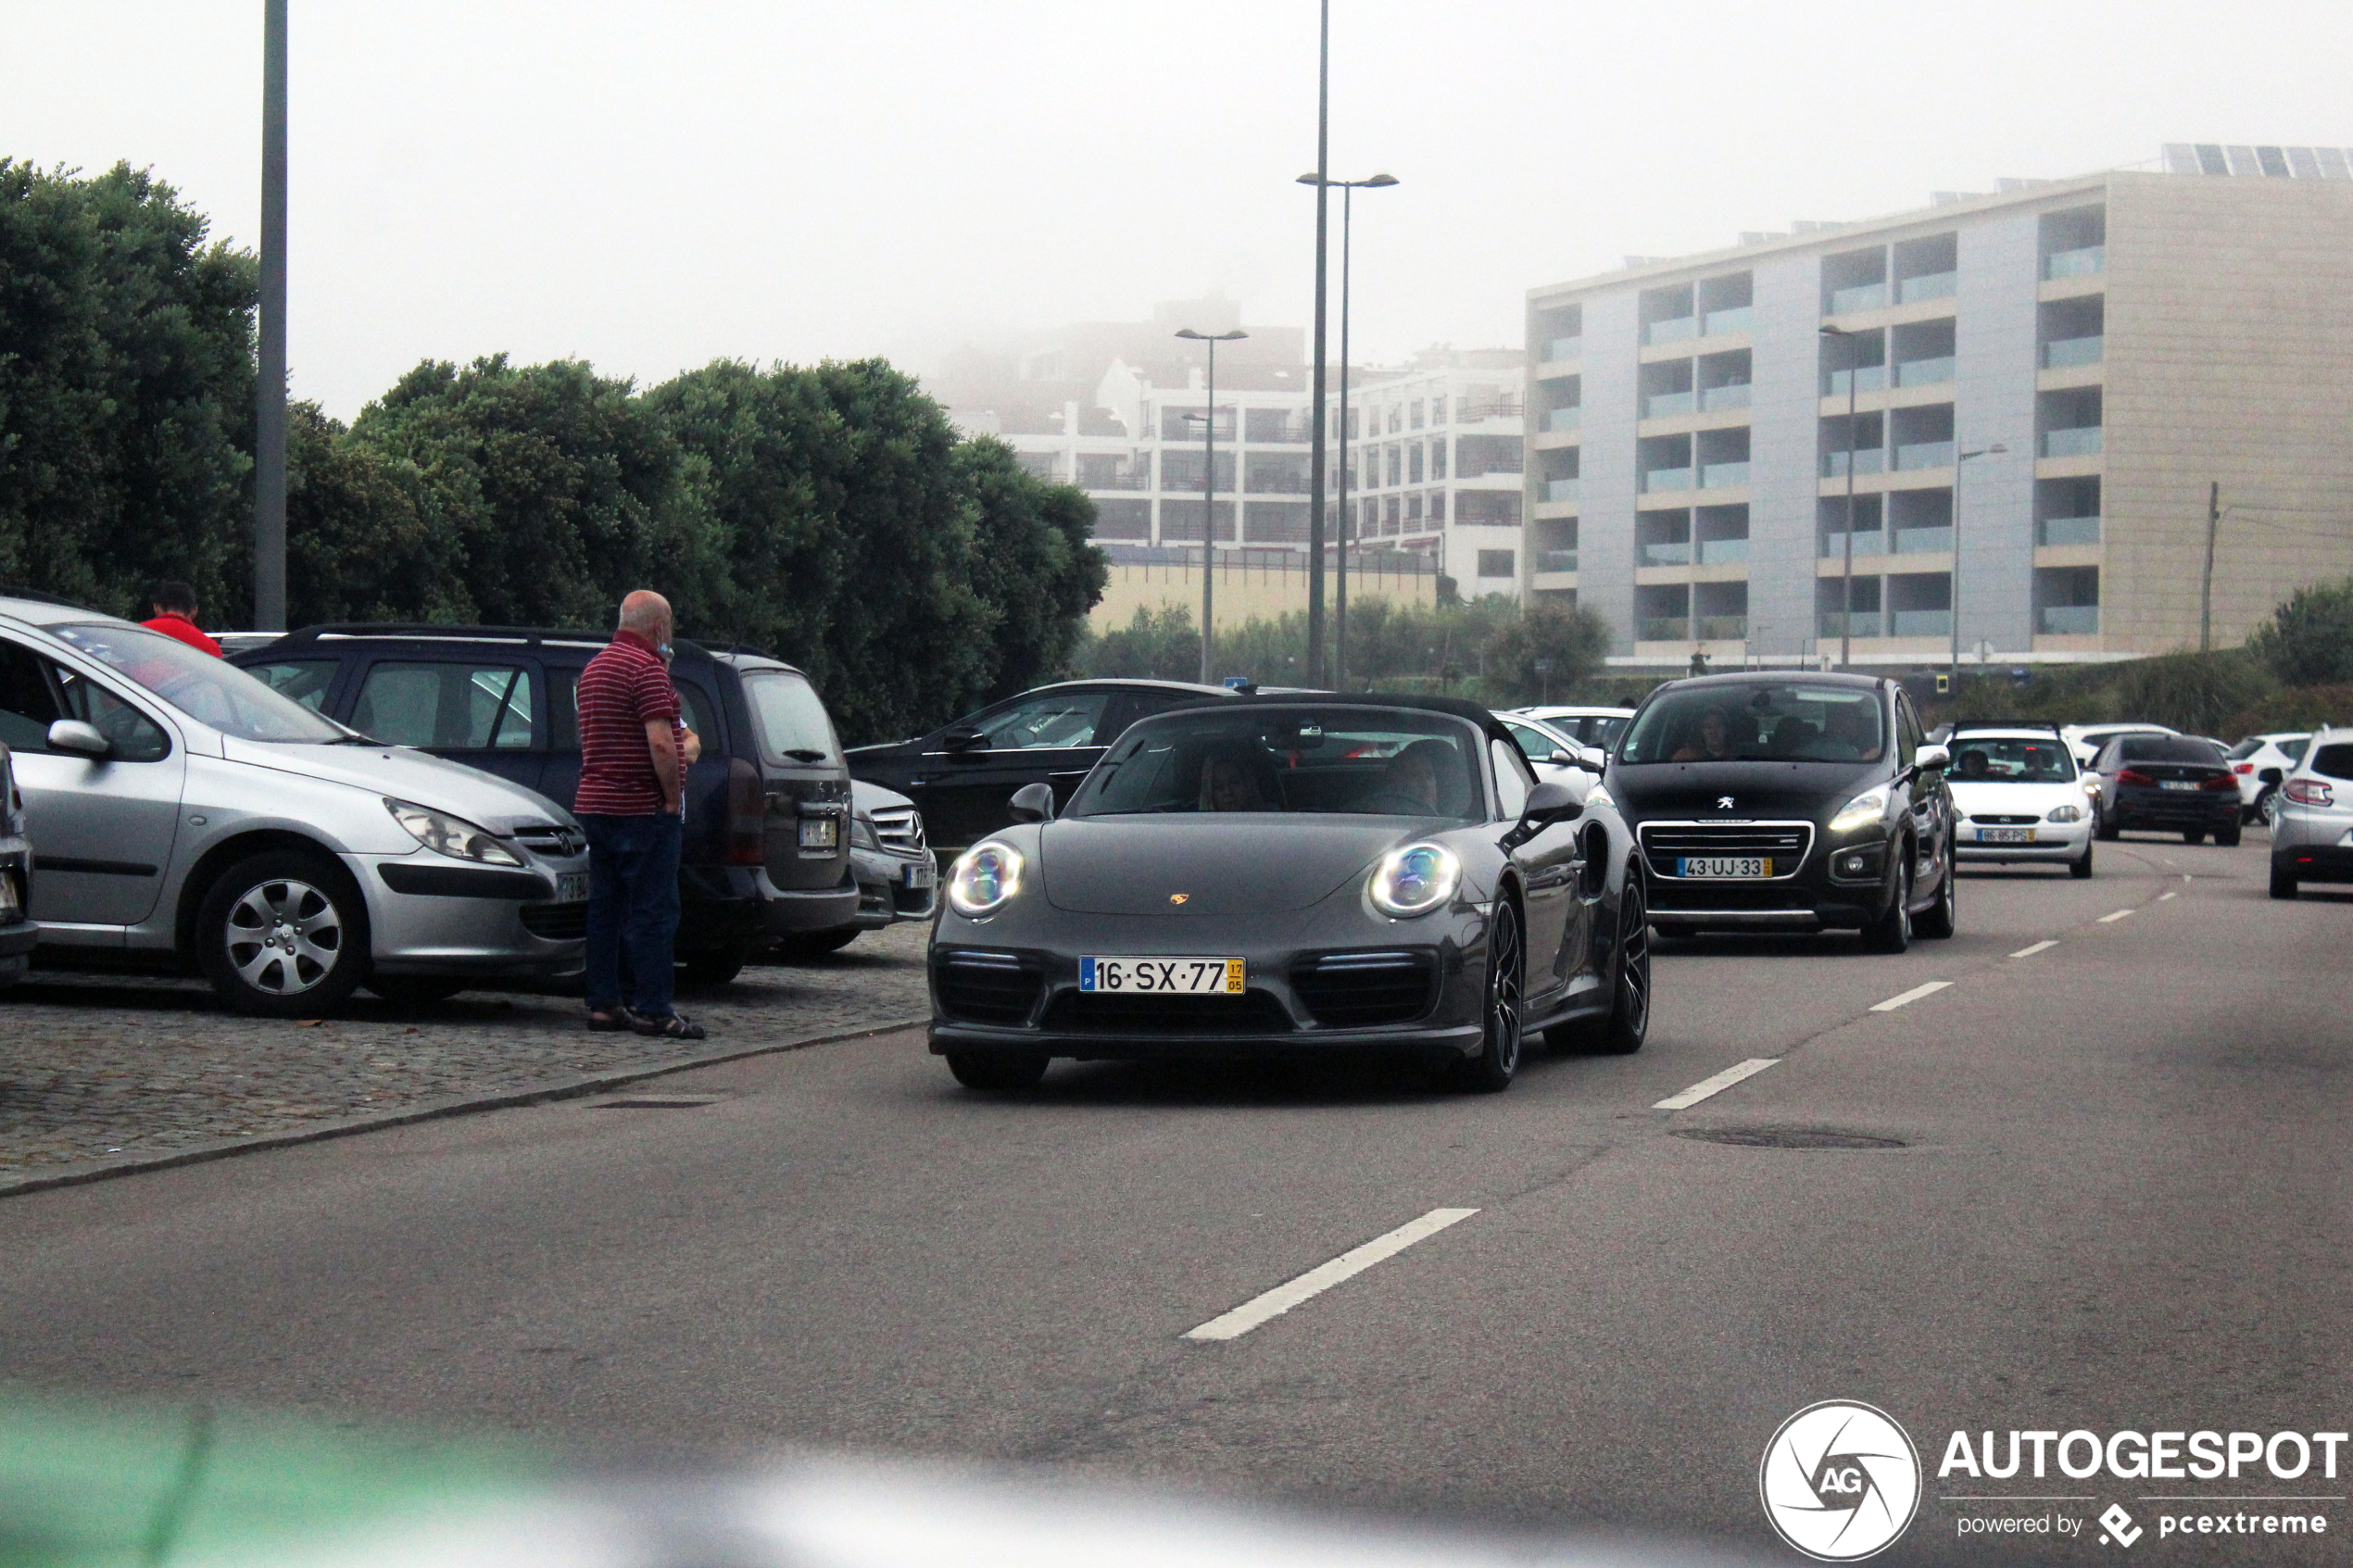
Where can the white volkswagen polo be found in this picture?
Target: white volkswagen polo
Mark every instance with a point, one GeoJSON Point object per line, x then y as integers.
{"type": "Point", "coordinates": [2019, 796]}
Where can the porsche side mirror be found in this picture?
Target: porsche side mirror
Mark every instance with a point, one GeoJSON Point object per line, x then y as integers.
{"type": "Point", "coordinates": [78, 739]}
{"type": "Point", "coordinates": [1548, 803]}
{"type": "Point", "coordinates": [965, 740]}
{"type": "Point", "coordinates": [1034, 803]}
{"type": "Point", "coordinates": [1931, 759]}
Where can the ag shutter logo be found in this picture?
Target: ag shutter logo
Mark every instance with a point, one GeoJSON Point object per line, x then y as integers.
{"type": "Point", "coordinates": [1840, 1481]}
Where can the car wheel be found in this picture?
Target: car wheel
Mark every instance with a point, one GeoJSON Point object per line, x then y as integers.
{"type": "Point", "coordinates": [2108, 830]}
{"type": "Point", "coordinates": [416, 990]}
{"type": "Point", "coordinates": [282, 935]}
{"type": "Point", "coordinates": [2282, 884]}
{"type": "Point", "coordinates": [1944, 916]}
{"type": "Point", "coordinates": [2081, 870]}
{"type": "Point", "coordinates": [1892, 933]}
{"type": "Point", "coordinates": [715, 966]}
{"type": "Point", "coordinates": [1497, 1062]}
{"type": "Point", "coordinates": [1627, 1023]}
{"type": "Point", "coordinates": [2228, 837]}
{"type": "Point", "coordinates": [807, 945]}
{"type": "Point", "coordinates": [2261, 811]}
{"type": "Point", "coordinates": [2193, 836]}
{"type": "Point", "coordinates": [998, 1070]}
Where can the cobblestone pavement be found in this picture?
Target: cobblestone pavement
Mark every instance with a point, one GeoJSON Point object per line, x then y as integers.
{"type": "Point", "coordinates": [98, 1066]}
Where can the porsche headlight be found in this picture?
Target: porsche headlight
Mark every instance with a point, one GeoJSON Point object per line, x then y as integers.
{"type": "Point", "coordinates": [1864, 810]}
{"type": "Point", "coordinates": [984, 878]}
{"type": "Point", "coordinates": [450, 836]}
{"type": "Point", "coordinates": [2065, 814]}
{"type": "Point", "coordinates": [1416, 880]}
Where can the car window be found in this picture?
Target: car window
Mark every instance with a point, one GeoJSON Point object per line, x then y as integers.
{"type": "Point", "coordinates": [1067, 719]}
{"type": "Point", "coordinates": [2000, 759]}
{"type": "Point", "coordinates": [137, 737]}
{"type": "Point", "coordinates": [1603, 731]}
{"type": "Point", "coordinates": [1534, 742]}
{"type": "Point", "coordinates": [28, 699]}
{"type": "Point", "coordinates": [209, 690]}
{"type": "Point", "coordinates": [304, 680]}
{"type": "Point", "coordinates": [1356, 759]}
{"type": "Point", "coordinates": [701, 714]}
{"type": "Point", "coordinates": [2293, 747]}
{"type": "Point", "coordinates": [450, 705]}
{"type": "Point", "coordinates": [2246, 748]}
{"type": "Point", "coordinates": [1759, 722]}
{"type": "Point", "coordinates": [1907, 730]}
{"type": "Point", "coordinates": [2334, 761]}
{"type": "Point", "coordinates": [1512, 780]}
{"type": "Point", "coordinates": [792, 724]}
{"type": "Point", "coordinates": [2166, 748]}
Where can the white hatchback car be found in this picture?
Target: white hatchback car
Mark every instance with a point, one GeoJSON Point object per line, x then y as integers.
{"type": "Point", "coordinates": [186, 816]}
{"type": "Point", "coordinates": [2262, 763]}
{"type": "Point", "coordinates": [2019, 797]}
{"type": "Point", "coordinates": [2312, 816]}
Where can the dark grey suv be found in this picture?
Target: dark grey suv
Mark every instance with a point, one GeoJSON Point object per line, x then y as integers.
{"type": "Point", "coordinates": [768, 807]}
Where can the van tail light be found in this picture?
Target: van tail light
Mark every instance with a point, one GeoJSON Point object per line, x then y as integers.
{"type": "Point", "coordinates": [2221, 780]}
{"type": "Point", "coordinates": [747, 816]}
{"type": "Point", "coordinates": [2308, 792]}
{"type": "Point", "coordinates": [2135, 777]}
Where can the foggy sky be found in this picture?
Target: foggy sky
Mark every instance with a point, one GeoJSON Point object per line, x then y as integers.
{"type": "Point", "coordinates": [651, 186]}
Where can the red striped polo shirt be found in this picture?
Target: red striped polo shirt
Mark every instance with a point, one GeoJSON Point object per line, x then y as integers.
{"type": "Point", "coordinates": [625, 688]}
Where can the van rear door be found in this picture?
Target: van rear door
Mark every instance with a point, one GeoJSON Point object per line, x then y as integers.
{"type": "Point", "coordinates": [804, 781]}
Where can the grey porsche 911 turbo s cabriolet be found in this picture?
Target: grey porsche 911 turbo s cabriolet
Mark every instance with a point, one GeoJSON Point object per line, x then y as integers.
{"type": "Point", "coordinates": [1296, 876]}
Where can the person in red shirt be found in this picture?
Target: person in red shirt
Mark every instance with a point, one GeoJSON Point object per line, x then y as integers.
{"type": "Point", "coordinates": [175, 607]}
{"type": "Point", "coordinates": [634, 747]}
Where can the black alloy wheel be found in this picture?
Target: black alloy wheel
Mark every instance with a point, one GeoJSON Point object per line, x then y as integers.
{"type": "Point", "coordinates": [1892, 933]}
{"type": "Point", "coordinates": [1497, 1062]}
{"type": "Point", "coordinates": [1622, 1030]}
{"type": "Point", "coordinates": [998, 1070]}
{"type": "Point", "coordinates": [1944, 916]}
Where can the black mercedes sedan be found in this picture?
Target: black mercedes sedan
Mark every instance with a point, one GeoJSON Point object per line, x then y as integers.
{"type": "Point", "coordinates": [2170, 784]}
{"type": "Point", "coordinates": [1783, 802]}
{"type": "Point", "coordinates": [962, 775]}
{"type": "Point", "coordinates": [1262, 876]}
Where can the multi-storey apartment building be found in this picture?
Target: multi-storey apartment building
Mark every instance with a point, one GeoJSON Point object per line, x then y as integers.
{"type": "Point", "coordinates": [1435, 459]}
{"type": "Point", "coordinates": [2029, 395]}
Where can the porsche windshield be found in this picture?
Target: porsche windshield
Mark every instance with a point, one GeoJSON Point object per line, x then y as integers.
{"type": "Point", "coordinates": [2007, 759]}
{"type": "Point", "coordinates": [1758, 723]}
{"type": "Point", "coordinates": [1355, 760]}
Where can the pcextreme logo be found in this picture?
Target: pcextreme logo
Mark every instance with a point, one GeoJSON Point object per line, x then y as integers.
{"type": "Point", "coordinates": [1840, 1481]}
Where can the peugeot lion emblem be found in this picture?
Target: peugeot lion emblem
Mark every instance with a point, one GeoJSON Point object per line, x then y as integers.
{"type": "Point", "coordinates": [1723, 803]}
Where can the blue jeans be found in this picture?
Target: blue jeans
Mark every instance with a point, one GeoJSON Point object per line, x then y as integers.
{"type": "Point", "coordinates": [633, 904]}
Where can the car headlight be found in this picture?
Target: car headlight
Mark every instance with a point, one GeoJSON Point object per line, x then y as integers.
{"type": "Point", "coordinates": [453, 837]}
{"type": "Point", "coordinates": [985, 877]}
{"type": "Point", "coordinates": [1416, 880]}
{"type": "Point", "coordinates": [2065, 814]}
{"type": "Point", "coordinates": [1864, 810]}
{"type": "Point", "coordinates": [863, 834]}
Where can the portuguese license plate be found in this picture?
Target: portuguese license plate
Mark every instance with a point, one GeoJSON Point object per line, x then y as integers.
{"type": "Point", "coordinates": [1188, 976]}
{"type": "Point", "coordinates": [2177, 784]}
{"type": "Point", "coordinates": [920, 875]}
{"type": "Point", "coordinates": [572, 887]}
{"type": "Point", "coordinates": [2006, 835]}
{"type": "Point", "coordinates": [820, 833]}
{"type": "Point", "coordinates": [1725, 866]}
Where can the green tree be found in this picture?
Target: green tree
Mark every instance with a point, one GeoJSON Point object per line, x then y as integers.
{"type": "Point", "coordinates": [2309, 641]}
{"type": "Point", "coordinates": [1158, 644]}
{"type": "Point", "coordinates": [126, 390]}
{"type": "Point", "coordinates": [1033, 565]}
{"type": "Point", "coordinates": [1569, 639]}
{"type": "Point", "coordinates": [366, 537]}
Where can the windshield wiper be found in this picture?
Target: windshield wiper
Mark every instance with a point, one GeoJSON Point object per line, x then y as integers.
{"type": "Point", "coordinates": [804, 754]}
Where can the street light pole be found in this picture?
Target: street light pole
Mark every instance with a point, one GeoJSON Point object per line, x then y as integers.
{"type": "Point", "coordinates": [1846, 587]}
{"type": "Point", "coordinates": [1348, 189]}
{"type": "Point", "coordinates": [1315, 455]}
{"type": "Point", "coordinates": [1209, 490]}
{"type": "Point", "coordinates": [1959, 461]}
{"type": "Point", "coordinates": [269, 385]}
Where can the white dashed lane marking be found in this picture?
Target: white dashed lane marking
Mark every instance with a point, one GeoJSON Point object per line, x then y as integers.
{"type": "Point", "coordinates": [2162, 896]}
{"type": "Point", "coordinates": [1908, 997]}
{"type": "Point", "coordinates": [2041, 947]}
{"type": "Point", "coordinates": [1715, 1085]}
{"type": "Point", "coordinates": [2121, 915]}
{"type": "Point", "coordinates": [1315, 1281]}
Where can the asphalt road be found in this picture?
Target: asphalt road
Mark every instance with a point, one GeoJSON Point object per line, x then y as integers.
{"type": "Point", "coordinates": [2119, 1200]}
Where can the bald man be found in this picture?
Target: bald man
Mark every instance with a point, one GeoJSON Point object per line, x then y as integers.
{"type": "Point", "coordinates": [634, 750]}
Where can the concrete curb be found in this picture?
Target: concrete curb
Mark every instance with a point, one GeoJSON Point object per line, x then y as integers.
{"type": "Point", "coordinates": [429, 1110]}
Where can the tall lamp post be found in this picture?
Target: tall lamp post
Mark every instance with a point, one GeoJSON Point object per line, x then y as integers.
{"type": "Point", "coordinates": [1315, 455]}
{"type": "Point", "coordinates": [1959, 461]}
{"type": "Point", "coordinates": [270, 387]}
{"type": "Point", "coordinates": [1846, 586]}
{"type": "Point", "coordinates": [1209, 489]}
{"type": "Point", "coordinates": [1348, 189]}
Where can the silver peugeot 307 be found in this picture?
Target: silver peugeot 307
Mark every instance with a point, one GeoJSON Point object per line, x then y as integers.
{"type": "Point", "coordinates": [185, 815]}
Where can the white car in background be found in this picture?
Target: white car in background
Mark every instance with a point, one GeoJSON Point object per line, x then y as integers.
{"type": "Point", "coordinates": [2260, 763]}
{"type": "Point", "coordinates": [1586, 726]}
{"type": "Point", "coordinates": [2312, 816]}
{"type": "Point", "coordinates": [2018, 797]}
{"type": "Point", "coordinates": [1554, 754]}
{"type": "Point", "coordinates": [2086, 740]}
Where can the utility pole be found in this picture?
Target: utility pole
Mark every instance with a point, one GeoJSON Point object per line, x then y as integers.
{"type": "Point", "coordinates": [270, 387]}
{"type": "Point", "coordinates": [2206, 583]}
{"type": "Point", "coordinates": [1315, 459]}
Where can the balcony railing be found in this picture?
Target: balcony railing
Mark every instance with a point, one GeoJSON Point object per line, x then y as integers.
{"type": "Point", "coordinates": [1658, 405]}
{"type": "Point", "coordinates": [1721, 476]}
{"type": "Point", "coordinates": [2068, 531]}
{"type": "Point", "coordinates": [1735, 395]}
{"type": "Point", "coordinates": [1738, 319]}
{"type": "Point", "coordinates": [1924, 454]}
{"type": "Point", "coordinates": [2083, 442]}
{"type": "Point", "coordinates": [1924, 541]}
{"type": "Point", "coordinates": [1920, 623]}
{"type": "Point", "coordinates": [1557, 560]}
{"type": "Point", "coordinates": [1922, 372]}
{"type": "Point", "coordinates": [1565, 419]}
{"type": "Point", "coordinates": [1931, 285]}
{"type": "Point", "coordinates": [1870, 459]}
{"type": "Point", "coordinates": [1564, 348]}
{"type": "Point", "coordinates": [1560, 489]}
{"type": "Point", "coordinates": [2068, 621]}
{"type": "Point", "coordinates": [2076, 263]}
{"type": "Point", "coordinates": [1868, 542]}
{"type": "Point", "coordinates": [1667, 479]}
{"type": "Point", "coordinates": [1720, 628]}
{"type": "Point", "coordinates": [1666, 552]}
{"type": "Point", "coordinates": [1674, 329]}
{"type": "Point", "coordinates": [1867, 378]}
{"type": "Point", "coordinates": [1663, 629]}
{"type": "Point", "coordinates": [1862, 296]}
{"type": "Point", "coordinates": [1861, 623]}
{"type": "Point", "coordinates": [1720, 552]}
{"type": "Point", "coordinates": [2068, 351]}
